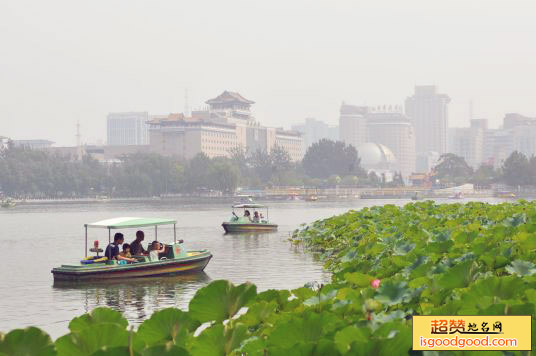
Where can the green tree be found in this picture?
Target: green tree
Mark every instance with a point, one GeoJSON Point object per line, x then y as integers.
{"type": "Point", "coordinates": [326, 157]}
{"type": "Point", "coordinates": [453, 169]}
{"type": "Point", "coordinates": [516, 169]}
{"type": "Point", "coordinates": [197, 175]}
{"type": "Point", "coordinates": [224, 175]}
{"type": "Point", "coordinates": [484, 176]}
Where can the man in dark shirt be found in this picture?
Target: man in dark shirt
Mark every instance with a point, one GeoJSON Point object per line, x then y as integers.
{"type": "Point", "coordinates": [112, 251]}
{"type": "Point", "coordinates": [136, 248]}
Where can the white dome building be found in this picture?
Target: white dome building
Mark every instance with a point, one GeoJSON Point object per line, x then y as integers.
{"type": "Point", "coordinates": [376, 156]}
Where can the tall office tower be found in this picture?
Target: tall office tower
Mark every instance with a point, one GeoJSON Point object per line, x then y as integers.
{"type": "Point", "coordinates": [468, 142]}
{"type": "Point", "coordinates": [394, 130]}
{"type": "Point", "coordinates": [128, 128]}
{"type": "Point", "coordinates": [428, 111]}
{"type": "Point", "coordinates": [353, 124]}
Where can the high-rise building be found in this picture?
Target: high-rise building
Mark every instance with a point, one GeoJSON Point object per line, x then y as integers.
{"type": "Point", "coordinates": [512, 120]}
{"type": "Point", "coordinates": [395, 131]}
{"type": "Point", "coordinates": [517, 134]}
{"type": "Point", "coordinates": [314, 130]}
{"type": "Point", "coordinates": [127, 128]}
{"type": "Point", "coordinates": [353, 124]}
{"type": "Point", "coordinates": [468, 142]}
{"type": "Point", "coordinates": [428, 111]}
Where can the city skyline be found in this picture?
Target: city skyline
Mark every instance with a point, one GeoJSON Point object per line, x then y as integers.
{"type": "Point", "coordinates": [58, 68]}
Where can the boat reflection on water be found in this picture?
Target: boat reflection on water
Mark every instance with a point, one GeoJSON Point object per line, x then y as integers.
{"type": "Point", "coordinates": [137, 299]}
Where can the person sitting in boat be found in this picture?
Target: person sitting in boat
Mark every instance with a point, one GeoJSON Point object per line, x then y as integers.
{"type": "Point", "coordinates": [112, 251]}
{"type": "Point", "coordinates": [126, 251]}
{"type": "Point", "coordinates": [156, 249]}
{"type": "Point", "coordinates": [136, 248]}
{"type": "Point", "coordinates": [247, 215]}
{"type": "Point", "coordinates": [256, 217]}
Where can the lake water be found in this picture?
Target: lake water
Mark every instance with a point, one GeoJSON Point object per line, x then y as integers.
{"type": "Point", "coordinates": [36, 238]}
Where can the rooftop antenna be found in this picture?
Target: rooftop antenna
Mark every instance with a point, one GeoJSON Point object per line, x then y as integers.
{"type": "Point", "coordinates": [186, 106]}
{"type": "Point", "coordinates": [78, 141]}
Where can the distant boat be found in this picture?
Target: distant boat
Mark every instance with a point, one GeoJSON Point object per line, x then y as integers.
{"type": "Point", "coordinates": [246, 223]}
{"type": "Point", "coordinates": [457, 195]}
{"type": "Point", "coordinates": [311, 198]}
{"type": "Point", "coordinates": [244, 198]}
{"type": "Point", "coordinates": [8, 203]}
{"type": "Point", "coordinates": [505, 195]}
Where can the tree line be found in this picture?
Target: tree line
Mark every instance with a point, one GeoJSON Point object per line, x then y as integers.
{"type": "Point", "coordinates": [517, 170]}
{"type": "Point", "coordinates": [27, 173]}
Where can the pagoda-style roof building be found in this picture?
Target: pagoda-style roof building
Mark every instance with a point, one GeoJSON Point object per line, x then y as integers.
{"type": "Point", "coordinates": [229, 97]}
{"type": "Point", "coordinates": [231, 106]}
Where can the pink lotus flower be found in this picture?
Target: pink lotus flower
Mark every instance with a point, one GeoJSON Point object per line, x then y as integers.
{"type": "Point", "coordinates": [375, 283]}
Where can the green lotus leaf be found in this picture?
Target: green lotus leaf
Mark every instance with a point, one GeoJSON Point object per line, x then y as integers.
{"type": "Point", "coordinates": [116, 351]}
{"type": "Point", "coordinates": [27, 342]}
{"type": "Point", "coordinates": [258, 313]}
{"type": "Point", "coordinates": [97, 316]}
{"type": "Point", "coordinates": [349, 335]}
{"type": "Point", "coordinates": [296, 330]}
{"type": "Point", "coordinates": [92, 339]}
{"type": "Point", "coordinates": [220, 300]}
{"type": "Point", "coordinates": [219, 340]}
{"type": "Point", "coordinates": [165, 325]}
{"type": "Point", "coordinates": [165, 350]}
{"type": "Point", "coordinates": [211, 341]}
{"type": "Point", "coordinates": [280, 296]}
{"type": "Point", "coordinates": [358, 279]}
{"type": "Point", "coordinates": [321, 297]}
{"type": "Point", "coordinates": [458, 276]}
{"type": "Point", "coordinates": [506, 287]}
{"type": "Point", "coordinates": [403, 248]}
{"type": "Point", "coordinates": [396, 339]}
{"type": "Point", "coordinates": [253, 346]}
{"type": "Point", "coordinates": [391, 293]}
{"type": "Point", "coordinates": [303, 293]}
{"type": "Point", "coordinates": [521, 268]}
{"type": "Point", "coordinates": [299, 349]}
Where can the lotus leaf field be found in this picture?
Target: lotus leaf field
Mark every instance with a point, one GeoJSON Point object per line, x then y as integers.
{"type": "Point", "coordinates": [388, 263]}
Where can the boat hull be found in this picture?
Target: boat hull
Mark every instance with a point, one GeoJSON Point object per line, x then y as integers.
{"type": "Point", "coordinates": [232, 228]}
{"type": "Point", "coordinates": [169, 267]}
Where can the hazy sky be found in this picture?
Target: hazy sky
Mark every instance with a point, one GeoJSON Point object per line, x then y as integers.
{"type": "Point", "coordinates": [63, 61]}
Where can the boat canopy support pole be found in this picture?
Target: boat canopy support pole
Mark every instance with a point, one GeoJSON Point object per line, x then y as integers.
{"type": "Point", "coordinates": [109, 236]}
{"type": "Point", "coordinates": [86, 244]}
{"type": "Point", "coordinates": [174, 233]}
{"type": "Point", "coordinates": [156, 232]}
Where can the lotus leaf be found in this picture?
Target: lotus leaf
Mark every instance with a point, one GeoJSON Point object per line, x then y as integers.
{"type": "Point", "coordinates": [27, 342]}
{"type": "Point", "coordinates": [220, 300]}
{"type": "Point", "coordinates": [165, 325]}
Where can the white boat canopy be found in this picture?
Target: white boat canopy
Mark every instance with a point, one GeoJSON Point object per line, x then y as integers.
{"type": "Point", "coordinates": [130, 222]}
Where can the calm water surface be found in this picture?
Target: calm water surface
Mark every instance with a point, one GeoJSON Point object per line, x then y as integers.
{"type": "Point", "coordinates": [36, 238]}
